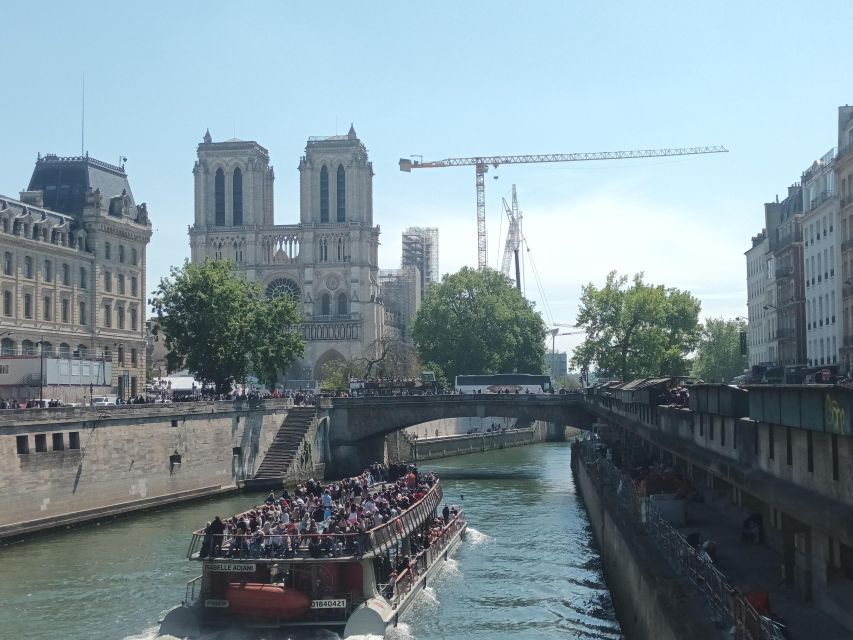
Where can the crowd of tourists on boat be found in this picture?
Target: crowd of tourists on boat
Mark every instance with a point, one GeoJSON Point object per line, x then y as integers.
{"type": "Point", "coordinates": [328, 520]}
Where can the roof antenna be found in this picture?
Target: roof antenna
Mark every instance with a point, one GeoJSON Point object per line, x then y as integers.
{"type": "Point", "coordinates": [83, 116]}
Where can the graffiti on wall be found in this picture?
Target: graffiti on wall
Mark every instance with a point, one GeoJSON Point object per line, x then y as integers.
{"type": "Point", "coordinates": [834, 415]}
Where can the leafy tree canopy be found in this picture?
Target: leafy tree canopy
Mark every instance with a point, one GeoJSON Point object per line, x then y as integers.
{"type": "Point", "coordinates": [220, 326]}
{"type": "Point", "coordinates": [718, 357]}
{"type": "Point", "coordinates": [636, 330]}
{"type": "Point", "coordinates": [475, 321]}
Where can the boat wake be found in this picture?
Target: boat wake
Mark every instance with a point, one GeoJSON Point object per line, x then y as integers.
{"type": "Point", "coordinates": [476, 538]}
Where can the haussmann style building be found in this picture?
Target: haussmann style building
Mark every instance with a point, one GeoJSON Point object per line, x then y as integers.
{"type": "Point", "coordinates": [73, 284]}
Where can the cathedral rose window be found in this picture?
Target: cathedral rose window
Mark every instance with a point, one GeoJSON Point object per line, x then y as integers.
{"type": "Point", "coordinates": [283, 286]}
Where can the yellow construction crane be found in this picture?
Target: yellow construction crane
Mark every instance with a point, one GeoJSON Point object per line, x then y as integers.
{"type": "Point", "coordinates": [482, 164]}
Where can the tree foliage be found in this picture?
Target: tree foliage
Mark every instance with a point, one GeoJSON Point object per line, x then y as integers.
{"type": "Point", "coordinates": [475, 321]}
{"type": "Point", "coordinates": [388, 357]}
{"type": "Point", "coordinates": [718, 356]}
{"type": "Point", "coordinates": [220, 326]}
{"type": "Point", "coordinates": [637, 330]}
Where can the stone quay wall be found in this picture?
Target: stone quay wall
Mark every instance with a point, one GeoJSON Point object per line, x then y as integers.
{"type": "Point", "coordinates": [402, 447]}
{"type": "Point", "coordinates": [650, 602]}
{"type": "Point", "coordinates": [67, 465]}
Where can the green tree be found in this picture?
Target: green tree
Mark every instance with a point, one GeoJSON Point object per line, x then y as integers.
{"type": "Point", "coordinates": [718, 356]}
{"type": "Point", "coordinates": [475, 321]}
{"type": "Point", "coordinates": [220, 327]}
{"type": "Point", "coordinates": [637, 330]}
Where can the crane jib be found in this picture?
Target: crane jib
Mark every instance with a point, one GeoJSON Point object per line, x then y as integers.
{"type": "Point", "coordinates": [482, 163]}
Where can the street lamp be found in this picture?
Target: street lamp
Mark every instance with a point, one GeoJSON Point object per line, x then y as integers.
{"type": "Point", "coordinates": [41, 369]}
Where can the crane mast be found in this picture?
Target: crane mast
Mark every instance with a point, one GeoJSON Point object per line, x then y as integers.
{"type": "Point", "coordinates": [513, 238]}
{"type": "Point", "coordinates": [481, 165]}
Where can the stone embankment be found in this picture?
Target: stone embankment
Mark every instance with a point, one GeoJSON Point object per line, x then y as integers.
{"type": "Point", "coordinates": [64, 466]}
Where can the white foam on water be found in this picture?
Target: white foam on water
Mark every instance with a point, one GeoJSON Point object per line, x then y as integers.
{"type": "Point", "coordinates": [401, 632]}
{"type": "Point", "coordinates": [150, 634]}
{"type": "Point", "coordinates": [476, 538]}
{"type": "Point", "coordinates": [451, 567]}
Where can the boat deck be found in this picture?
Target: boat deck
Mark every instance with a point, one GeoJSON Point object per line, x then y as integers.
{"type": "Point", "coordinates": [333, 547]}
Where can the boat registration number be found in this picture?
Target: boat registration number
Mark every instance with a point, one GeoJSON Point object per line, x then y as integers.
{"type": "Point", "coordinates": [231, 567]}
{"type": "Point", "coordinates": [216, 604]}
{"type": "Point", "coordinates": [331, 603]}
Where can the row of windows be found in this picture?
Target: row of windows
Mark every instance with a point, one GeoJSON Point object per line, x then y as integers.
{"type": "Point", "coordinates": [47, 274]}
{"type": "Point", "coordinates": [120, 317]}
{"type": "Point", "coordinates": [57, 442]}
{"type": "Point", "coordinates": [120, 280]}
{"type": "Point", "coordinates": [108, 253]}
{"type": "Point", "coordinates": [814, 233]}
{"type": "Point", "coordinates": [326, 304]}
{"type": "Point", "coordinates": [8, 347]}
{"type": "Point", "coordinates": [47, 309]}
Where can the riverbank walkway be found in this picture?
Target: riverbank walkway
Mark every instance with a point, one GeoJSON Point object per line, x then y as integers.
{"type": "Point", "coordinates": [756, 567]}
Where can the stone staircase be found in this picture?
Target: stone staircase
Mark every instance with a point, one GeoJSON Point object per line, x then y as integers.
{"type": "Point", "coordinates": [285, 446]}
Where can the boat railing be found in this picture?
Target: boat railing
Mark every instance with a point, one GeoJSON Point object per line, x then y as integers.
{"type": "Point", "coordinates": [390, 533]}
{"type": "Point", "coordinates": [397, 589]}
{"type": "Point", "coordinates": [252, 546]}
{"type": "Point", "coordinates": [273, 546]}
{"type": "Point", "coordinates": [193, 590]}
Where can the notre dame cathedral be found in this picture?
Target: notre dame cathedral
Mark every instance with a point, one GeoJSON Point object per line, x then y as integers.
{"type": "Point", "coordinates": [328, 261]}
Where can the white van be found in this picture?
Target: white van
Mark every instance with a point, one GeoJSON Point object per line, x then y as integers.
{"type": "Point", "coordinates": [104, 401]}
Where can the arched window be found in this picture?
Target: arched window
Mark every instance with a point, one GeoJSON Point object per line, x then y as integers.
{"type": "Point", "coordinates": [342, 194]}
{"type": "Point", "coordinates": [47, 349]}
{"type": "Point", "coordinates": [7, 347]}
{"type": "Point", "coordinates": [219, 197]}
{"type": "Point", "coordinates": [325, 304]}
{"type": "Point", "coordinates": [27, 348]}
{"type": "Point", "coordinates": [237, 196]}
{"type": "Point", "coordinates": [324, 194]}
{"type": "Point", "coordinates": [342, 304]}
{"type": "Point", "coordinates": [340, 250]}
{"type": "Point", "coordinates": [82, 350]}
{"type": "Point", "coordinates": [64, 350]}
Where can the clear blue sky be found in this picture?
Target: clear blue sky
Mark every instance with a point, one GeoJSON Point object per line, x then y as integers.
{"type": "Point", "coordinates": [445, 79]}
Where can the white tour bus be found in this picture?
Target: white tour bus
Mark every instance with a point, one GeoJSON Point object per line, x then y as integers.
{"type": "Point", "coordinates": [504, 383]}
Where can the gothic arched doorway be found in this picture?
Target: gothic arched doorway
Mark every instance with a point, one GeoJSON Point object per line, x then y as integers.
{"type": "Point", "coordinates": [330, 357]}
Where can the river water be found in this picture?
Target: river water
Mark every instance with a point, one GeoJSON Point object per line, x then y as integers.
{"type": "Point", "coordinates": [527, 570]}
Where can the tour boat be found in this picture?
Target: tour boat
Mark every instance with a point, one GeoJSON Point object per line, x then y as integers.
{"type": "Point", "coordinates": [351, 593]}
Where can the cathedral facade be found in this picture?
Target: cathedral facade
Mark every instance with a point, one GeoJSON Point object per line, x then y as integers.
{"type": "Point", "coordinates": [328, 261]}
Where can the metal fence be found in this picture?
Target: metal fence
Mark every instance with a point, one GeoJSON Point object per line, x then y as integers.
{"type": "Point", "coordinates": [728, 607]}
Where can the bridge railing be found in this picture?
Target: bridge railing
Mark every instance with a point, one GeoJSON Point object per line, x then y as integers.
{"type": "Point", "coordinates": [727, 605]}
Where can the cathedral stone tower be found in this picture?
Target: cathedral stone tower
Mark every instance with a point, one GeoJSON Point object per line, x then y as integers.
{"type": "Point", "coordinates": [329, 261]}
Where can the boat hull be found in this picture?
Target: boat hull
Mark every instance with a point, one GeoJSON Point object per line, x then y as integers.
{"type": "Point", "coordinates": [376, 615]}
{"type": "Point", "coordinates": [373, 617]}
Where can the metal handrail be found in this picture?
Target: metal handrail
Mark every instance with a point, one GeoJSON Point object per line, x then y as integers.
{"type": "Point", "coordinates": [726, 603]}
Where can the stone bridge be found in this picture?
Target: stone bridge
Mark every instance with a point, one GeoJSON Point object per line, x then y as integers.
{"type": "Point", "coordinates": [357, 426]}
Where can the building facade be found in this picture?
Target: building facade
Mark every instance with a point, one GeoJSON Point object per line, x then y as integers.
{"type": "Point", "coordinates": [784, 222]}
{"type": "Point", "coordinates": [759, 329]}
{"type": "Point", "coordinates": [558, 363]}
{"type": "Point", "coordinates": [328, 261]}
{"type": "Point", "coordinates": [401, 295]}
{"type": "Point", "coordinates": [420, 250]}
{"type": "Point", "coordinates": [73, 277]}
{"type": "Point", "coordinates": [844, 180]}
{"type": "Point", "coordinates": [822, 262]}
